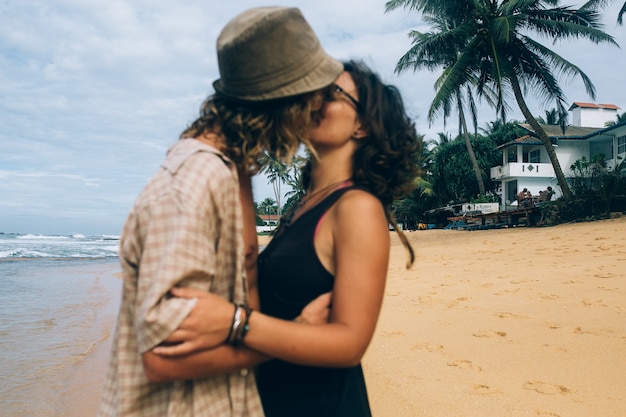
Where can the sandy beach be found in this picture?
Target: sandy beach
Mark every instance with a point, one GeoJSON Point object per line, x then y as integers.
{"type": "Point", "coordinates": [496, 323]}
{"type": "Point", "coordinates": [510, 322]}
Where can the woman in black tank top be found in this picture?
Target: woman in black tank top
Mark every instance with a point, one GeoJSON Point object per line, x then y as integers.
{"type": "Point", "coordinates": [336, 239]}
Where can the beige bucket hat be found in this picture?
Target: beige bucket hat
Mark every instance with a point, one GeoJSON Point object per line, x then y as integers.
{"type": "Point", "coordinates": [269, 53]}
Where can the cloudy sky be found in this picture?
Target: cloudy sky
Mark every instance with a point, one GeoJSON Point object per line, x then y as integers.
{"type": "Point", "coordinates": [92, 92]}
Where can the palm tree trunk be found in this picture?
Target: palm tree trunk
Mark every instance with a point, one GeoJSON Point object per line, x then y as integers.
{"type": "Point", "coordinates": [560, 177]}
{"type": "Point", "coordinates": [472, 155]}
{"type": "Point", "coordinates": [276, 186]}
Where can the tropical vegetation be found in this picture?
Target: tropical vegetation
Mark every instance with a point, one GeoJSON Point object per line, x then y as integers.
{"type": "Point", "coordinates": [494, 54]}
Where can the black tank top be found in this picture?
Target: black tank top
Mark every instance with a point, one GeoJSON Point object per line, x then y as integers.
{"type": "Point", "coordinates": [290, 276]}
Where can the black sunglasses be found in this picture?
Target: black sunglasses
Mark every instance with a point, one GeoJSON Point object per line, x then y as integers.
{"type": "Point", "coordinates": [347, 95]}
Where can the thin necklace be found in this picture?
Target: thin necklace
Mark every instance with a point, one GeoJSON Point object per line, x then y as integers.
{"type": "Point", "coordinates": [308, 197]}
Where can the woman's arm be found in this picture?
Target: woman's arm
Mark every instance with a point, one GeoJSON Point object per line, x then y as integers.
{"type": "Point", "coordinates": [359, 241]}
{"type": "Point", "coordinates": [198, 363]}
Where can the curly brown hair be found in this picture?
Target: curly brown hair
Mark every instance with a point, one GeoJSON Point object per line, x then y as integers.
{"type": "Point", "coordinates": [250, 129]}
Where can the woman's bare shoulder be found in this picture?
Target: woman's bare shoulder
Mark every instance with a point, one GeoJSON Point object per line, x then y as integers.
{"type": "Point", "coordinates": [359, 204]}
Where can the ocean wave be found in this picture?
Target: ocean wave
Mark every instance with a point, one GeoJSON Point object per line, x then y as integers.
{"type": "Point", "coordinates": [24, 253]}
{"type": "Point", "coordinates": [30, 245]}
{"type": "Point", "coordinates": [31, 236]}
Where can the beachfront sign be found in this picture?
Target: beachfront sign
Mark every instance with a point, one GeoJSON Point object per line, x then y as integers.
{"type": "Point", "coordinates": [481, 207]}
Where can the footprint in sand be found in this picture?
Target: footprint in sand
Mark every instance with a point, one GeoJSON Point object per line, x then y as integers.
{"type": "Point", "coordinates": [547, 413]}
{"type": "Point", "coordinates": [507, 315]}
{"type": "Point", "coordinates": [607, 288]}
{"type": "Point", "coordinates": [429, 347]}
{"type": "Point", "coordinates": [481, 389]}
{"type": "Point", "coordinates": [507, 292]}
{"type": "Point", "coordinates": [604, 275]}
{"type": "Point", "coordinates": [545, 388]}
{"type": "Point", "coordinates": [428, 300]}
{"type": "Point", "coordinates": [602, 249]}
{"type": "Point", "coordinates": [589, 303]}
{"type": "Point", "coordinates": [487, 333]}
{"type": "Point", "coordinates": [464, 364]}
{"type": "Point", "coordinates": [457, 302]}
{"type": "Point", "coordinates": [393, 334]}
{"type": "Point", "coordinates": [550, 297]}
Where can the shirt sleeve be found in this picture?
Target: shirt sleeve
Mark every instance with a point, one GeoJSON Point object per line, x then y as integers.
{"type": "Point", "coordinates": [179, 250]}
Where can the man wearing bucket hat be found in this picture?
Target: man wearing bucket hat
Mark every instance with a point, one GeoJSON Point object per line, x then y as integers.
{"type": "Point", "coordinates": [193, 224]}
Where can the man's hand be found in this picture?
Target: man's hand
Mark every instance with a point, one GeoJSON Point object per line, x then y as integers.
{"type": "Point", "coordinates": [317, 311]}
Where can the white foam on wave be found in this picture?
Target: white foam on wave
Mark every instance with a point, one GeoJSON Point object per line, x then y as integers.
{"type": "Point", "coordinates": [24, 253]}
{"type": "Point", "coordinates": [30, 237]}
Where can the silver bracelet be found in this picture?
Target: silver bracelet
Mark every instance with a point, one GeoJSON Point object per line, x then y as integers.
{"type": "Point", "coordinates": [232, 336]}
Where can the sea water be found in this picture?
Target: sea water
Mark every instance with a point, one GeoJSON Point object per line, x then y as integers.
{"type": "Point", "coordinates": [54, 293]}
{"type": "Point", "coordinates": [16, 245]}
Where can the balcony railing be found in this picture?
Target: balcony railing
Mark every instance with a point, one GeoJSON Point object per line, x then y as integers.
{"type": "Point", "coordinates": [522, 169]}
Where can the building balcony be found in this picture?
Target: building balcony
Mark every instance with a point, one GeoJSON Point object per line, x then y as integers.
{"type": "Point", "coordinates": [522, 169]}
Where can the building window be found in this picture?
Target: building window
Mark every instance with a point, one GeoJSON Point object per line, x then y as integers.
{"type": "Point", "coordinates": [621, 144]}
{"type": "Point", "coordinates": [534, 156]}
{"type": "Point", "coordinates": [512, 155]}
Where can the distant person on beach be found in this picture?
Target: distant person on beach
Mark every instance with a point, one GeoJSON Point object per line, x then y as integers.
{"type": "Point", "coordinates": [194, 223]}
{"type": "Point", "coordinates": [522, 198]}
{"type": "Point", "coordinates": [335, 239]}
{"type": "Point", "coordinates": [529, 199]}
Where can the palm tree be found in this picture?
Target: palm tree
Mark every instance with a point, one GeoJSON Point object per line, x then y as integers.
{"type": "Point", "coordinates": [621, 118]}
{"type": "Point", "coordinates": [502, 132]}
{"type": "Point", "coordinates": [427, 52]}
{"type": "Point", "coordinates": [498, 55]}
{"type": "Point", "coordinates": [277, 172]}
{"type": "Point", "coordinates": [410, 209]}
{"type": "Point", "coordinates": [267, 207]}
{"type": "Point", "coordinates": [552, 118]}
{"type": "Point", "coordinates": [596, 4]}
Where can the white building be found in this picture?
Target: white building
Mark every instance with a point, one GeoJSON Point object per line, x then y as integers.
{"type": "Point", "coordinates": [592, 115]}
{"type": "Point", "coordinates": [525, 161]}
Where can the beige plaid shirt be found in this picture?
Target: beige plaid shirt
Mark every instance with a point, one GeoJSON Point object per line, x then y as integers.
{"type": "Point", "coordinates": [184, 229]}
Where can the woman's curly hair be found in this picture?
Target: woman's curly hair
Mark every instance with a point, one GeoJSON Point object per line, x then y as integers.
{"type": "Point", "coordinates": [386, 161]}
{"type": "Point", "coordinates": [249, 130]}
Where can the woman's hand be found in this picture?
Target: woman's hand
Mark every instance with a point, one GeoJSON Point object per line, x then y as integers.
{"type": "Point", "coordinates": [206, 327]}
{"type": "Point", "coordinates": [317, 311]}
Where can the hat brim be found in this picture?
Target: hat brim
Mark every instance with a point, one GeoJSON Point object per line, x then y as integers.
{"type": "Point", "coordinates": [322, 76]}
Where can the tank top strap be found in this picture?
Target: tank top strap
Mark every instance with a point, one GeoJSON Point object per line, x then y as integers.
{"type": "Point", "coordinates": [322, 208]}
{"type": "Point", "coordinates": [332, 198]}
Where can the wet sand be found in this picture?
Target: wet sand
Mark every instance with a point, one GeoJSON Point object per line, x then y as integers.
{"type": "Point", "coordinates": [495, 323]}
{"type": "Point", "coordinates": [81, 393]}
